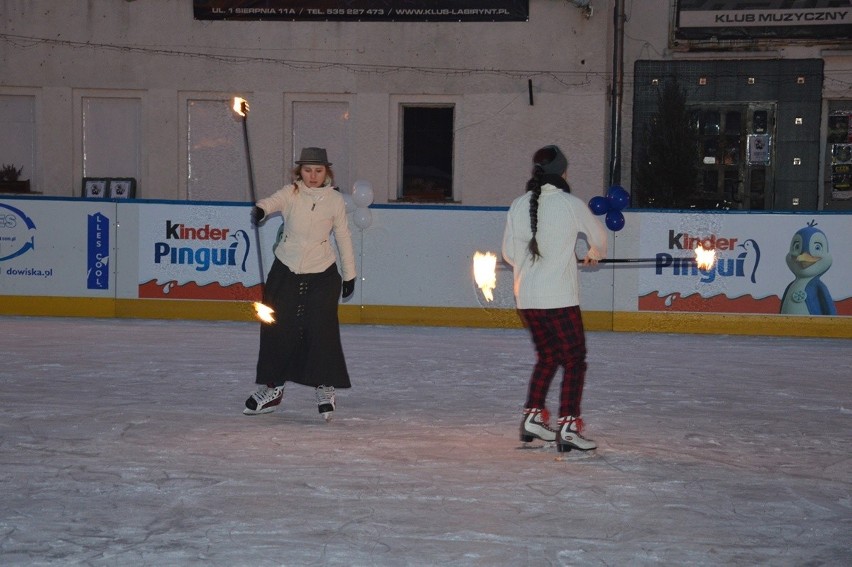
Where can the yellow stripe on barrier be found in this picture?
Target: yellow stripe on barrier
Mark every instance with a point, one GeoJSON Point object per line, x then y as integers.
{"type": "Point", "coordinates": [621, 321]}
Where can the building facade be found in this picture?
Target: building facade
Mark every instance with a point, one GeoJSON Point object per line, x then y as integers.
{"type": "Point", "coordinates": [768, 87]}
{"type": "Point", "coordinates": [437, 106]}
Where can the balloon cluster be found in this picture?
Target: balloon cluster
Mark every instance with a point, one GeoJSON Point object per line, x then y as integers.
{"type": "Point", "coordinates": [358, 203]}
{"type": "Point", "coordinates": [611, 205]}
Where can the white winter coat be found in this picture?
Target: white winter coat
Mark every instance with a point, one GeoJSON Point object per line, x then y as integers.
{"type": "Point", "coordinates": [551, 281]}
{"type": "Point", "coordinates": [310, 216]}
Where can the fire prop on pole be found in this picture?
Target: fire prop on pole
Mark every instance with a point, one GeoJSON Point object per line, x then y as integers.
{"type": "Point", "coordinates": [704, 259]}
{"type": "Point", "coordinates": [485, 267]}
{"type": "Point", "coordinates": [485, 273]}
{"type": "Point", "coordinates": [264, 313]}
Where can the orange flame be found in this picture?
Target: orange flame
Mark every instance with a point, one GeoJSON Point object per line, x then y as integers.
{"type": "Point", "coordinates": [241, 106]}
{"type": "Point", "coordinates": [264, 313]}
{"type": "Point", "coordinates": [485, 273]}
{"type": "Point", "coordinates": [705, 259]}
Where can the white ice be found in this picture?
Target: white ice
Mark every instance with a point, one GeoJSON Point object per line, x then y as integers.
{"type": "Point", "coordinates": [123, 443]}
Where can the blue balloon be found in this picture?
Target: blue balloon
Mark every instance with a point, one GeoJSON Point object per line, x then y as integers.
{"type": "Point", "coordinates": [615, 220]}
{"type": "Point", "coordinates": [618, 198]}
{"type": "Point", "coordinates": [599, 205]}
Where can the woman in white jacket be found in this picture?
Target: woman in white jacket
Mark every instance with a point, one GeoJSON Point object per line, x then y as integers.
{"type": "Point", "coordinates": [541, 232]}
{"type": "Point", "coordinates": [303, 287]}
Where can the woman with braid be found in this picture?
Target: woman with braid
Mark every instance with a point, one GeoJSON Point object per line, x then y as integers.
{"type": "Point", "coordinates": [538, 242]}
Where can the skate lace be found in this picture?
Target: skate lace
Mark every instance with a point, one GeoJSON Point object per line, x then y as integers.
{"type": "Point", "coordinates": [266, 394]}
{"type": "Point", "coordinates": [539, 414]}
{"type": "Point", "coordinates": [325, 395]}
{"type": "Point", "coordinates": [575, 424]}
{"type": "Point", "coordinates": [542, 418]}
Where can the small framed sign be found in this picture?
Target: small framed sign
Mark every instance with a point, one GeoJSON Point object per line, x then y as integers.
{"type": "Point", "coordinates": [95, 187]}
{"type": "Point", "coordinates": [122, 188]}
{"type": "Point", "coordinates": [759, 149]}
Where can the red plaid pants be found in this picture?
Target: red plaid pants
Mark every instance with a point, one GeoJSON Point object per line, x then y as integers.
{"type": "Point", "coordinates": [560, 341]}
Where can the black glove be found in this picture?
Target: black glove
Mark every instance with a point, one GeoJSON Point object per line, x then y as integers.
{"type": "Point", "coordinates": [348, 288]}
{"type": "Point", "coordinates": [257, 215]}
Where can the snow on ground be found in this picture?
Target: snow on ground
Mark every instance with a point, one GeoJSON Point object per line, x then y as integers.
{"type": "Point", "coordinates": [122, 442]}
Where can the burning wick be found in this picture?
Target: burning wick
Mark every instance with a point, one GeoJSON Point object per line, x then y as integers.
{"type": "Point", "coordinates": [705, 259]}
{"type": "Point", "coordinates": [241, 106]}
{"type": "Point", "coordinates": [485, 273]}
{"type": "Point", "coordinates": [264, 313]}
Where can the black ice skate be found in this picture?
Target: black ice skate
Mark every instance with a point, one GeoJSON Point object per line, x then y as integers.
{"type": "Point", "coordinates": [534, 426]}
{"type": "Point", "coordinates": [569, 435]}
{"type": "Point", "coordinates": [325, 401]}
{"type": "Point", "coordinates": [264, 400]}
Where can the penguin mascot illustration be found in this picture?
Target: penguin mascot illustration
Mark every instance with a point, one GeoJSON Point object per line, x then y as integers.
{"type": "Point", "coordinates": [750, 258]}
{"type": "Point", "coordinates": [808, 259]}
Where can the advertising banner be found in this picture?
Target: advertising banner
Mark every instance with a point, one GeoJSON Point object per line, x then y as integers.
{"type": "Point", "coordinates": [766, 263]}
{"type": "Point", "coordinates": [199, 252]}
{"type": "Point", "coordinates": [732, 20]}
{"type": "Point", "coordinates": [50, 250]}
{"type": "Point", "coordinates": [779, 263]}
{"type": "Point", "coordinates": [364, 10]}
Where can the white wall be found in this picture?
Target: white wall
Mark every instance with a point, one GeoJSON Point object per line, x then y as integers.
{"type": "Point", "coordinates": [62, 53]}
{"type": "Point", "coordinates": [154, 51]}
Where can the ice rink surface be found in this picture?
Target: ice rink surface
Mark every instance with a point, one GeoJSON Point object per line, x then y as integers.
{"type": "Point", "coordinates": [122, 442]}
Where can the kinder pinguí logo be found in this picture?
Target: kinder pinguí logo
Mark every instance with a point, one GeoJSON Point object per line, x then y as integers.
{"type": "Point", "coordinates": [743, 264]}
{"type": "Point", "coordinates": [201, 247]}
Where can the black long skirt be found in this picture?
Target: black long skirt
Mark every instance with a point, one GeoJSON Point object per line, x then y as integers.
{"type": "Point", "coordinates": [303, 345]}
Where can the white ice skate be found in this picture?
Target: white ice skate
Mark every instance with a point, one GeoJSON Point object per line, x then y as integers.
{"type": "Point", "coordinates": [264, 400]}
{"type": "Point", "coordinates": [535, 426]}
{"type": "Point", "coordinates": [569, 435]}
{"type": "Point", "coordinates": [325, 401]}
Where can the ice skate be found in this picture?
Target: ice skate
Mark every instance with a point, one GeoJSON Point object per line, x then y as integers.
{"type": "Point", "coordinates": [535, 426]}
{"type": "Point", "coordinates": [569, 435]}
{"type": "Point", "coordinates": [325, 401]}
{"type": "Point", "coordinates": [264, 400]}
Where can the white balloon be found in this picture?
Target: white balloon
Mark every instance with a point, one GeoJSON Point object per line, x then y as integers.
{"type": "Point", "coordinates": [350, 204]}
{"type": "Point", "coordinates": [363, 217]}
{"type": "Point", "coordinates": [362, 193]}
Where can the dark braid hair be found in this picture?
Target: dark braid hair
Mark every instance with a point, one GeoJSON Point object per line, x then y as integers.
{"type": "Point", "coordinates": [534, 186]}
{"type": "Point", "coordinates": [549, 165]}
{"type": "Point", "coordinates": [541, 158]}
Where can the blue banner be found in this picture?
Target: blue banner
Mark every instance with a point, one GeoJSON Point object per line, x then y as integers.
{"type": "Point", "coordinates": [97, 272]}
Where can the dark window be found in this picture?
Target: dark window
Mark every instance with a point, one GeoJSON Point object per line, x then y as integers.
{"type": "Point", "coordinates": [755, 125]}
{"type": "Point", "coordinates": [427, 153]}
{"type": "Point", "coordinates": [734, 173]}
{"type": "Point", "coordinates": [732, 167]}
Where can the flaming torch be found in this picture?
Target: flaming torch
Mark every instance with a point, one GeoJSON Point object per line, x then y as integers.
{"type": "Point", "coordinates": [485, 273]}
{"type": "Point", "coordinates": [263, 312]}
{"type": "Point", "coordinates": [705, 258]}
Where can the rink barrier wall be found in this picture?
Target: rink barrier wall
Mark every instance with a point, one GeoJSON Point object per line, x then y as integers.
{"type": "Point", "coordinates": [414, 266]}
{"type": "Point", "coordinates": [689, 323]}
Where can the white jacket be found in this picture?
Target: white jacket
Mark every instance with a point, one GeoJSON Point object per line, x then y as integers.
{"type": "Point", "coordinates": [551, 281]}
{"type": "Point", "coordinates": [310, 216]}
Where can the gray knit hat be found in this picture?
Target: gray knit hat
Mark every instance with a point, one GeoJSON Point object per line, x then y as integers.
{"type": "Point", "coordinates": [551, 159]}
{"type": "Point", "coordinates": [313, 156]}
